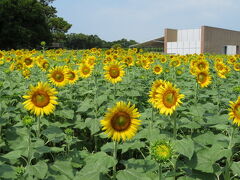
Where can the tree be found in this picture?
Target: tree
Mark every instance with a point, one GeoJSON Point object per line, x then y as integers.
{"type": "Point", "coordinates": [58, 27]}
{"type": "Point", "coordinates": [23, 24]}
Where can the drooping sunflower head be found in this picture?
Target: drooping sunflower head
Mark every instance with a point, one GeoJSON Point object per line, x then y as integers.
{"type": "Point", "coordinates": [203, 78]}
{"type": "Point", "coordinates": [121, 122]}
{"type": "Point", "coordinates": [58, 76]}
{"type": "Point", "coordinates": [157, 69]}
{"type": "Point", "coordinates": [234, 111]}
{"type": "Point", "coordinates": [161, 151]}
{"type": "Point", "coordinates": [85, 70]}
{"type": "Point", "coordinates": [40, 99]}
{"type": "Point", "coordinates": [168, 98]}
{"type": "Point", "coordinates": [114, 72]}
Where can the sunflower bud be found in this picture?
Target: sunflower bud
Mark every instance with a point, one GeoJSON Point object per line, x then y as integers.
{"type": "Point", "coordinates": [161, 151]}
{"type": "Point", "coordinates": [28, 120]}
{"type": "Point", "coordinates": [69, 132]}
{"type": "Point", "coordinates": [20, 171]}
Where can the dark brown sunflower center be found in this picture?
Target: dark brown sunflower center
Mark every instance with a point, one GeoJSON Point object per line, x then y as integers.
{"type": "Point", "coordinates": [237, 66]}
{"type": "Point", "coordinates": [86, 70]}
{"type": "Point", "coordinates": [174, 63]}
{"type": "Point", "coordinates": [237, 110]}
{"type": "Point", "coordinates": [219, 67]}
{"type": "Point", "coordinates": [28, 61]}
{"type": "Point", "coordinates": [71, 75]}
{"type": "Point", "coordinates": [45, 65]}
{"type": "Point", "coordinates": [202, 77]}
{"type": "Point", "coordinates": [114, 72]}
{"type": "Point", "coordinates": [169, 99]}
{"type": "Point", "coordinates": [58, 76]}
{"type": "Point", "coordinates": [201, 66]}
{"type": "Point", "coordinates": [40, 98]}
{"type": "Point", "coordinates": [157, 69]}
{"type": "Point", "coordinates": [121, 121]}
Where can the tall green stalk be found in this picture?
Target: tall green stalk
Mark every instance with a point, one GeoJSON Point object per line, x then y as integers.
{"type": "Point", "coordinates": [174, 115]}
{"type": "Point", "coordinates": [96, 108]}
{"type": "Point", "coordinates": [174, 118]}
{"type": "Point", "coordinates": [38, 126]}
{"type": "Point", "coordinates": [115, 157]}
{"type": "Point", "coordinates": [196, 94]}
{"type": "Point", "coordinates": [29, 148]}
{"type": "Point", "coordinates": [160, 171]}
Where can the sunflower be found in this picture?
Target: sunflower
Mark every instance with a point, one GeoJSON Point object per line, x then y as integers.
{"type": "Point", "coordinates": [168, 98]}
{"type": "Point", "coordinates": [44, 65]}
{"type": "Point", "coordinates": [236, 66]}
{"type": "Point", "coordinates": [175, 62]}
{"type": "Point", "coordinates": [40, 99]}
{"type": "Point", "coordinates": [203, 78]}
{"type": "Point", "coordinates": [26, 73]}
{"type": "Point", "coordinates": [152, 94]}
{"type": "Point", "coordinates": [202, 65]}
{"type": "Point", "coordinates": [28, 62]}
{"type": "Point", "coordinates": [72, 75]}
{"type": "Point", "coordinates": [157, 69]}
{"type": "Point", "coordinates": [224, 72]}
{"type": "Point", "coordinates": [58, 76]}
{"type": "Point", "coordinates": [163, 60]}
{"type": "Point", "coordinates": [85, 70]}
{"type": "Point", "coordinates": [161, 151]}
{"type": "Point", "coordinates": [1, 54]}
{"type": "Point", "coordinates": [234, 111]}
{"type": "Point", "coordinates": [129, 61]}
{"type": "Point", "coordinates": [114, 72]}
{"type": "Point", "coordinates": [120, 122]}
{"type": "Point", "coordinates": [91, 61]}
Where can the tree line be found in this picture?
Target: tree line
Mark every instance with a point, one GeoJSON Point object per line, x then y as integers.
{"type": "Point", "coordinates": [24, 24]}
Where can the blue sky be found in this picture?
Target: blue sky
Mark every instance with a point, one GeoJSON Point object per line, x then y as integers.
{"type": "Point", "coordinates": [143, 20]}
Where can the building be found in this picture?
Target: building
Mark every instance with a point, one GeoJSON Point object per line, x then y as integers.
{"type": "Point", "coordinates": [155, 43]}
{"type": "Point", "coordinates": [202, 40]}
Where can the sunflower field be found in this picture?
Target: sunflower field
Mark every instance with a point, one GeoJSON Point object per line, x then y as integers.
{"type": "Point", "coordinates": [119, 114]}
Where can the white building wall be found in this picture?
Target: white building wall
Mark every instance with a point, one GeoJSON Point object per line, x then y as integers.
{"type": "Point", "coordinates": [188, 42]}
{"type": "Point", "coordinates": [231, 49]}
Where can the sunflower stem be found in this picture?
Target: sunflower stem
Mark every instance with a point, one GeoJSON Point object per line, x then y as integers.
{"type": "Point", "coordinates": [160, 171]}
{"type": "Point", "coordinates": [115, 157]}
{"type": "Point", "coordinates": [29, 148]}
{"type": "Point", "coordinates": [218, 94]}
{"type": "Point", "coordinates": [38, 126]}
{"type": "Point", "coordinates": [196, 93]}
{"type": "Point", "coordinates": [96, 109]}
{"type": "Point", "coordinates": [174, 125]}
{"type": "Point", "coordinates": [115, 91]}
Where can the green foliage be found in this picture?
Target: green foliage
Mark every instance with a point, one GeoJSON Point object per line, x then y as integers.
{"type": "Point", "coordinates": [83, 41]}
{"type": "Point", "coordinates": [72, 144]}
{"type": "Point", "coordinates": [22, 24]}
